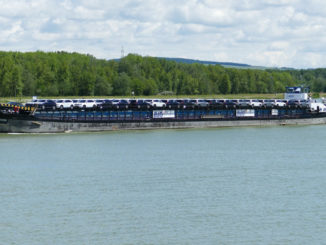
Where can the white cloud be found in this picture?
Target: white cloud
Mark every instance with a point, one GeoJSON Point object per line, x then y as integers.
{"type": "Point", "coordinates": [258, 32]}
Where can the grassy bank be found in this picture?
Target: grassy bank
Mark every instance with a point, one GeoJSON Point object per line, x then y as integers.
{"type": "Point", "coordinates": [219, 96]}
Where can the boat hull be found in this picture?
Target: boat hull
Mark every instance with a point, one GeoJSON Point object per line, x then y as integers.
{"type": "Point", "coordinates": [38, 126]}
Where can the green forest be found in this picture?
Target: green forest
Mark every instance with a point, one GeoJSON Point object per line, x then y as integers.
{"type": "Point", "coordinates": [73, 74]}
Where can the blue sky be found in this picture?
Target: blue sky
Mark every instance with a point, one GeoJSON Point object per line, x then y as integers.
{"type": "Point", "coordinates": [289, 33]}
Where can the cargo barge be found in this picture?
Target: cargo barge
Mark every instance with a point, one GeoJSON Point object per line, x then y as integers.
{"type": "Point", "coordinates": [33, 120]}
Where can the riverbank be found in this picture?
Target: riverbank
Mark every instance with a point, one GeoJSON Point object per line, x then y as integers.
{"type": "Point", "coordinates": [212, 96]}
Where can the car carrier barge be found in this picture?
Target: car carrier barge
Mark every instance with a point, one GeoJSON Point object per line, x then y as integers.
{"type": "Point", "coordinates": [32, 120]}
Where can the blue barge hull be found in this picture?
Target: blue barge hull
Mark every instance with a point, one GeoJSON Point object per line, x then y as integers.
{"type": "Point", "coordinates": [97, 120]}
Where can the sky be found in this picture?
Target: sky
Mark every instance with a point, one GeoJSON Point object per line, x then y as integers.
{"type": "Point", "coordinates": [273, 33]}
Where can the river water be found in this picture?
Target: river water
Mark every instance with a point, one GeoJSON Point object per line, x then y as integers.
{"type": "Point", "coordinates": [202, 186]}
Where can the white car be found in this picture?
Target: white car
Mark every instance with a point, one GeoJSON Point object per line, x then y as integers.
{"type": "Point", "coordinates": [255, 103]}
{"type": "Point", "coordinates": [280, 103]}
{"type": "Point", "coordinates": [65, 104]}
{"type": "Point", "coordinates": [157, 103]}
{"type": "Point", "coordinates": [87, 103]}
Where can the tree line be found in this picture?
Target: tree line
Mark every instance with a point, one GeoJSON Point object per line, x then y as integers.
{"type": "Point", "coordinates": [73, 74]}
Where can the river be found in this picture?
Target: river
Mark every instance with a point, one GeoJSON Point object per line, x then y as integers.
{"type": "Point", "coordinates": [247, 185]}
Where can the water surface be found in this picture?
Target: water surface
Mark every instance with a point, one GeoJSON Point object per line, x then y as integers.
{"type": "Point", "coordinates": [208, 186]}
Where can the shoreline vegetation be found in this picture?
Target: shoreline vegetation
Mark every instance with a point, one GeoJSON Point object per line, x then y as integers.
{"type": "Point", "coordinates": [219, 96]}
{"type": "Point", "coordinates": [74, 75]}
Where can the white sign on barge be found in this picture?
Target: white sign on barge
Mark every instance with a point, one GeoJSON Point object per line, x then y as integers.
{"type": "Point", "coordinates": [158, 114]}
{"type": "Point", "coordinates": [245, 113]}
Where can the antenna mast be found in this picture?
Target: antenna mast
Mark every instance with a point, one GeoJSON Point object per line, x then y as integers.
{"type": "Point", "coordinates": [122, 52]}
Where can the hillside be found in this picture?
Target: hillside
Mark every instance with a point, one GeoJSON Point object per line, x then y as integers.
{"type": "Point", "coordinates": [224, 64]}
{"type": "Point", "coordinates": [191, 61]}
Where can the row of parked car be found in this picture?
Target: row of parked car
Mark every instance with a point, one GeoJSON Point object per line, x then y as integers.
{"type": "Point", "coordinates": [46, 104]}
